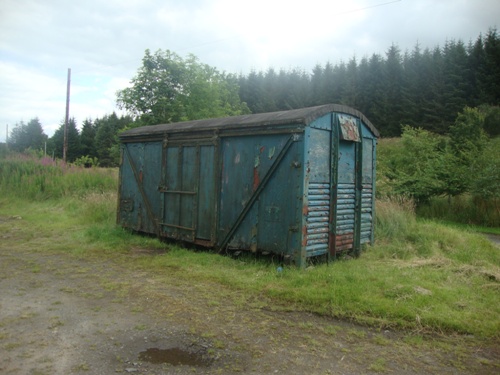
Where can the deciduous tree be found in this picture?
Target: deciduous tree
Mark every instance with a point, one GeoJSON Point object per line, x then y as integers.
{"type": "Point", "coordinates": [168, 88]}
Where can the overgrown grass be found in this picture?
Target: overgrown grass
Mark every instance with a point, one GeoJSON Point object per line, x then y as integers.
{"type": "Point", "coordinates": [420, 275]}
{"type": "Point", "coordinates": [40, 179]}
{"type": "Point", "coordinates": [463, 209]}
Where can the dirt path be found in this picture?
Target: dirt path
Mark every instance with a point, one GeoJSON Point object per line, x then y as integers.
{"type": "Point", "coordinates": [495, 238]}
{"type": "Point", "coordinates": [63, 315]}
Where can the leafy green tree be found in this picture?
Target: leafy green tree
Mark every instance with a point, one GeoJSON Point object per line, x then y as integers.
{"type": "Point", "coordinates": [451, 173]}
{"type": "Point", "coordinates": [491, 120]}
{"type": "Point", "coordinates": [467, 140]}
{"type": "Point", "coordinates": [415, 171]}
{"type": "Point", "coordinates": [168, 88]}
{"type": "Point", "coordinates": [28, 136]}
{"type": "Point", "coordinates": [486, 167]}
{"type": "Point", "coordinates": [467, 136]}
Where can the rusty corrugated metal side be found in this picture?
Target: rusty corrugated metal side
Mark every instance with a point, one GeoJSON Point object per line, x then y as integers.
{"type": "Point", "coordinates": [346, 197]}
{"type": "Point", "coordinates": [296, 183]}
{"type": "Point", "coordinates": [339, 184]}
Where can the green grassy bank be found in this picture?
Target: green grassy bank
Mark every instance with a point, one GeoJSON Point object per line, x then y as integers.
{"type": "Point", "coordinates": [420, 275]}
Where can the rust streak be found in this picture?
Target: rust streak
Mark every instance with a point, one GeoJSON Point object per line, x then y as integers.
{"type": "Point", "coordinates": [256, 179]}
{"type": "Point", "coordinates": [304, 235]}
{"type": "Point", "coordinates": [305, 210]}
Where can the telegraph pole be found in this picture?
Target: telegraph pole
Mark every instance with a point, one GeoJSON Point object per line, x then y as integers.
{"type": "Point", "coordinates": [65, 144]}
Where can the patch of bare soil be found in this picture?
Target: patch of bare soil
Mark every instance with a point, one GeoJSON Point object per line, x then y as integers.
{"type": "Point", "coordinates": [494, 238]}
{"type": "Point", "coordinates": [63, 315]}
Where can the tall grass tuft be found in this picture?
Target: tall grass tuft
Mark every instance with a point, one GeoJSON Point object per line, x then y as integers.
{"type": "Point", "coordinates": [395, 218]}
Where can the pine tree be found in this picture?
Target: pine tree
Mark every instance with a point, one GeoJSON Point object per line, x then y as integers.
{"type": "Point", "coordinates": [28, 136]}
{"type": "Point", "coordinates": [393, 87]}
{"type": "Point", "coordinates": [74, 146]}
{"type": "Point", "coordinates": [455, 73]}
{"type": "Point", "coordinates": [87, 139]}
{"type": "Point", "coordinates": [491, 80]}
{"type": "Point", "coordinates": [317, 82]}
{"type": "Point", "coordinates": [350, 95]}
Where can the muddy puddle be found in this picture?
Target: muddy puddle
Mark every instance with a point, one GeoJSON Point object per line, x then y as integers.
{"type": "Point", "coordinates": [175, 357]}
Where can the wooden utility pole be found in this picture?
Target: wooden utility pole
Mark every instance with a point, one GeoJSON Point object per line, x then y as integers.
{"type": "Point", "coordinates": [65, 144]}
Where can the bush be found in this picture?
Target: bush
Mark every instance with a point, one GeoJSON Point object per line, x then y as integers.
{"type": "Point", "coordinates": [414, 167]}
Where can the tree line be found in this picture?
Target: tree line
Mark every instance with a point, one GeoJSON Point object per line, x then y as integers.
{"type": "Point", "coordinates": [421, 88]}
{"type": "Point", "coordinates": [95, 144]}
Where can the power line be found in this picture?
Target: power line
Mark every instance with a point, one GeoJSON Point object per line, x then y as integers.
{"type": "Point", "coordinates": [370, 6]}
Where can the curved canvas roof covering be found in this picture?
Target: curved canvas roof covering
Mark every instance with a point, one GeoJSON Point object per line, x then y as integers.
{"type": "Point", "coordinates": [295, 116]}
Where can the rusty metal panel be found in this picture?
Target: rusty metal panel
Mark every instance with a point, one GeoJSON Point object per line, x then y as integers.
{"type": "Point", "coordinates": [260, 178]}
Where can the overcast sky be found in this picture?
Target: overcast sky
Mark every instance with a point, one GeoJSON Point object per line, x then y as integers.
{"type": "Point", "coordinates": [103, 42]}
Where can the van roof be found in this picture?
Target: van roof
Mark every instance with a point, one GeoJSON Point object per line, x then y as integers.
{"type": "Point", "coordinates": [294, 116]}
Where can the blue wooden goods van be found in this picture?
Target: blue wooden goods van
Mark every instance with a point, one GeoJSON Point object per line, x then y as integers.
{"type": "Point", "coordinates": [297, 183]}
